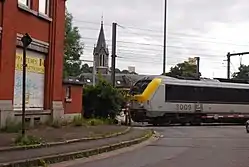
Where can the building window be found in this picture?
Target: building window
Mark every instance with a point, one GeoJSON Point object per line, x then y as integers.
{"type": "Point", "coordinates": [68, 92]}
{"type": "Point", "coordinates": [102, 60]}
{"type": "Point", "coordinates": [24, 2]}
{"type": "Point", "coordinates": [44, 6]}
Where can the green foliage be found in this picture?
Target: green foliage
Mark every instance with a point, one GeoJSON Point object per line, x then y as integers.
{"type": "Point", "coordinates": [243, 72]}
{"type": "Point", "coordinates": [102, 100]}
{"type": "Point", "coordinates": [98, 121]}
{"type": "Point", "coordinates": [77, 121]}
{"type": "Point", "coordinates": [95, 122]}
{"type": "Point", "coordinates": [27, 140]}
{"type": "Point", "coordinates": [80, 121]}
{"type": "Point", "coordinates": [73, 48]}
{"type": "Point", "coordinates": [42, 163]}
{"type": "Point", "coordinates": [185, 69]}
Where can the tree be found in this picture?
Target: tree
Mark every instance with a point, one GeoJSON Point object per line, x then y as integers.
{"type": "Point", "coordinates": [102, 100]}
{"type": "Point", "coordinates": [86, 68]}
{"type": "Point", "coordinates": [185, 69]}
{"type": "Point", "coordinates": [73, 48]}
{"type": "Point", "coordinates": [118, 71]}
{"type": "Point", "coordinates": [243, 72]}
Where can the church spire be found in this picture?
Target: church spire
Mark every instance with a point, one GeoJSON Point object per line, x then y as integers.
{"type": "Point", "coordinates": [101, 42]}
{"type": "Point", "coordinates": [102, 19]}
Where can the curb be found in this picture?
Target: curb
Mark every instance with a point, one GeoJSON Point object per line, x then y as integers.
{"type": "Point", "coordinates": [43, 161]}
{"type": "Point", "coordinates": [50, 144]}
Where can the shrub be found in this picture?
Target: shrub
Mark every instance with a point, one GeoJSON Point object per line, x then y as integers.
{"type": "Point", "coordinates": [27, 140]}
{"type": "Point", "coordinates": [102, 100]}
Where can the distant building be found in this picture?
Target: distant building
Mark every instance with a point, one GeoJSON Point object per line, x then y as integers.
{"type": "Point", "coordinates": [131, 69]}
{"type": "Point", "coordinates": [122, 80]}
{"type": "Point", "coordinates": [101, 53]}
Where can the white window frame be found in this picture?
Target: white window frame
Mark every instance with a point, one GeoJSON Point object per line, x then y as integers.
{"type": "Point", "coordinates": [28, 3]}
{"type": "Point", "coordinates": [47, 8]}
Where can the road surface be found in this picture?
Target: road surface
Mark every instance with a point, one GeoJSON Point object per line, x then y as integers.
{"type": "Point", "coordinates": [205, 146]}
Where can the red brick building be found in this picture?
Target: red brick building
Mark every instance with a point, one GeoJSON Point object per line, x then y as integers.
{"type": "Point", "coordinates": [44, 21]}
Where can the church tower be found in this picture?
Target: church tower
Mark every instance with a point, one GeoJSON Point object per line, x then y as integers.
{"type": "Point", "coordinates": [101, 53]}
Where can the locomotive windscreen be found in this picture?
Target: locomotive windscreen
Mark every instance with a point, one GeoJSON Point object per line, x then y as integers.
{"type": "Point", "coordinates": [139, 87]}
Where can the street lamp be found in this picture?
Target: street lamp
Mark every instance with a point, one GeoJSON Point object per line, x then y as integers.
{"type": "Point", "coordinates": [26, 41]}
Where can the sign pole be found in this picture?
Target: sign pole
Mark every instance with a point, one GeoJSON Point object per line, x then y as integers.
{"type": "Point", "coordinates": [26, 41]}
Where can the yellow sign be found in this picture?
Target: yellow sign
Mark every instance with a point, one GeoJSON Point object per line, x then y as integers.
{"type": "Point", "coordinates": [34, 64]}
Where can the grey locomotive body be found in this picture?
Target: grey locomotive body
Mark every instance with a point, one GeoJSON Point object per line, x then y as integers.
{"type": "Point", "coordinates": [165, 100]}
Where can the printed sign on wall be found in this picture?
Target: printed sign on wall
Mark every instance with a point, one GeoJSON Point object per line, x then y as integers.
{"type": "Point", "coordinates": [34, 80]}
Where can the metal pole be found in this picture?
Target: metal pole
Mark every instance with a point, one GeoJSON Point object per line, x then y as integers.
{"type": "Point", "coordinates": [228, 65]}
{"type": "Point", "coordinates": [164, 41]}
{"type": "Point", "coordinates": [198, 67]}
{"type": "Point", "coordinates": [26, 41]}
{"type": "Point", "coordinates": [24, 89]}
{"type": "Point", "coordinates": [94, 73]}
{"type": "Point", "coordinates": [114, 28]}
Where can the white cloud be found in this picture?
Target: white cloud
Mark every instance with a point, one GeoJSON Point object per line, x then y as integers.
{"type": "Point", "coordinates": [204, 28]}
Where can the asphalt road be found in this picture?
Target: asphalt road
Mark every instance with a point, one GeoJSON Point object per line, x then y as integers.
{"type": "Point", "coordinates": [205, 146]}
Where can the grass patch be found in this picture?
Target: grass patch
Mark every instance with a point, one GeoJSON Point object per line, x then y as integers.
{"type": "Point", "coordinates": [27, 140]}
{"type": "Point", "coordinates": [79, 121]}
{"type": "Point", "coordinates": [98, 121]}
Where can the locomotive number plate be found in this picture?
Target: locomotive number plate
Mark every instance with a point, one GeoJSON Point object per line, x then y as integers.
{"type": "Point", "coordinates": [183, 107]}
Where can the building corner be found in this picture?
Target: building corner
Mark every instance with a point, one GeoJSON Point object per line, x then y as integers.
{"type": "Point", "coordinates": [6, 112]}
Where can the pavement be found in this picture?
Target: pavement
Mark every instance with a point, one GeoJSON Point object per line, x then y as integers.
{"type": "Point", "coordinates": [10, 156]}
{"type": "Point", "coordinates": [50, 134]}
{"type": "Point", "coordinates": [205, 146]}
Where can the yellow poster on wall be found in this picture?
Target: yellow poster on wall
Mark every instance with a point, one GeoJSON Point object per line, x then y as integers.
{"type": "Point", "coordinates": [34, 64]}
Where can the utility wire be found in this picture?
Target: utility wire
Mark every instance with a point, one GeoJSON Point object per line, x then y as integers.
{"type": "Point", "coordinates": [159, 31]}
{"type": "Point", "coordinates": [157, 45]}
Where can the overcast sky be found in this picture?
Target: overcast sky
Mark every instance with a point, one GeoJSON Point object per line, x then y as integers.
{"type": "Point", "coordinates": [205, 28]}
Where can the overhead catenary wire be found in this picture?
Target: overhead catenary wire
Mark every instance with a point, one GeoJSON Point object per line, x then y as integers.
{"type": "Point", "coordinates": [182, 35]}
{"type": "Point", "coordinates": [144, 55]}
{"type": "Point", "coordinates": [175, 38]}
{"type": "Point", "coordinates": [150, 44]}
{"type": "Point", "coordinates": [128, 48]}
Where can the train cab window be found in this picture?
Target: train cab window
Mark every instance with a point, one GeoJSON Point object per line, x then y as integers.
{"type": "Point", "coordinates": [139, 87]}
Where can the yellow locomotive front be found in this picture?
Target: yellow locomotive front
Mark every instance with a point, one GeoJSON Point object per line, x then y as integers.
{"type": "Point", "coordinates": [141, 94]}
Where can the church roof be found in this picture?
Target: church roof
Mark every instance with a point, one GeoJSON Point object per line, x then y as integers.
{"type": "Point", "coordinates": [101, 43]}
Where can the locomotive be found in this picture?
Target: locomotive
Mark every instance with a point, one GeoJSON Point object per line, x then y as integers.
{"type": "Point", "coordinates": [165, 100]}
